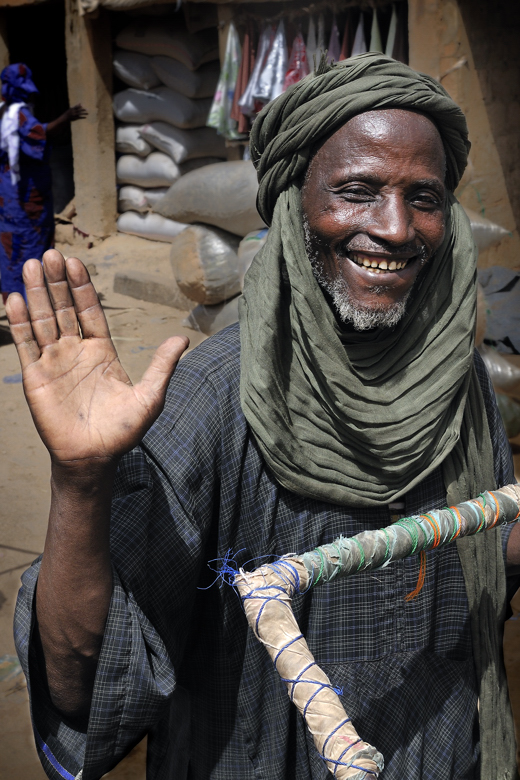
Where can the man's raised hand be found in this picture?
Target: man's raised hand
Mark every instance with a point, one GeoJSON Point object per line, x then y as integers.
{"type": "Point", "coordinates": [85, 408]}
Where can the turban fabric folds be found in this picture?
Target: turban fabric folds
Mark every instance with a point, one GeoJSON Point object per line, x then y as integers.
{"type": "Point", "coordinates": [17, 83]}
{"type": "Point", "coordinates": [358, 418]}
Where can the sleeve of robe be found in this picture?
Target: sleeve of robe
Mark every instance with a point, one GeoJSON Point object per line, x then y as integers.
{"type": "Point", "coordinates": [166, 493]}
{"type": "Point", "coordinates": [33, 135]}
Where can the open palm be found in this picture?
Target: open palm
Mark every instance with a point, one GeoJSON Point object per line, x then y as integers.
{"type": "Point", "coordinates": [83, 403]}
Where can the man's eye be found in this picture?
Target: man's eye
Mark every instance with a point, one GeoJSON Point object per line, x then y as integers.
{"type": "Point", "coordinates": [357, 193]}
{"type": "Point", "coordinates": [426, 199]}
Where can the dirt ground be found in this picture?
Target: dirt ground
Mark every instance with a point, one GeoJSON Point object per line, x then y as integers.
{"type": "Point", "coordinates": [138, 328]}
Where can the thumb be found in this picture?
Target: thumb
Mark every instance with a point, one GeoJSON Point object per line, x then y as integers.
{"type": "Point", "coordinates": [152, 387]}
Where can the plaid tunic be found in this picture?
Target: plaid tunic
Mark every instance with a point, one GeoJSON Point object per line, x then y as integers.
{"type": "Point", "coordinates": [178, 660]}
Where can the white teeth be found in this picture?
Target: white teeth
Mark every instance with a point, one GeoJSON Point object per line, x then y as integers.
{"type": "Point", "coordinates": [378, 266]}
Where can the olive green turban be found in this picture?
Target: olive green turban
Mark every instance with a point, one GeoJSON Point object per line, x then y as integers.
{"type": "Point", "coordinates": [285, 133]}
{"type": "Point", "coordinates": [358, 419]}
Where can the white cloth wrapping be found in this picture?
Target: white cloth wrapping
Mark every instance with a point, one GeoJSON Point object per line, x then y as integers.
{"type": "Point", "coordinates": [10, 140]}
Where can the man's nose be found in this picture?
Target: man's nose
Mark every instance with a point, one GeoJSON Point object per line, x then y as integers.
{"type": "Point", "coordinates": [392, 221]}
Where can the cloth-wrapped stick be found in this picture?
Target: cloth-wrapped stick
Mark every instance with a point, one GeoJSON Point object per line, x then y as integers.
{"type": "Point", "coordinates": [267, 592]}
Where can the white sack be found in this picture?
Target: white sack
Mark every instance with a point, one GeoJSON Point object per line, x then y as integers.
{"type": "Point", "coordinates": [485, 232]}
{"type": "Point", "coordinates": [184, 145]}
{"type": "Point", "coordinates": [154, 194]}
{"type": "Point", "coordinates": [149, 226]}
{"type": "Point", "coordinates": [223, 195]}
{"type": "Point", "coordinates": [156, 170]}
{"type": "Point", "coordinates": [161, 104]}
{"type": "Point", "coordinates": [211, 319]}
{"type": "Point", "coordinates": [169, 37]}
{"type": "Point", "coordinates": [199, 83]}
{"type": "Point", "coordinates": [130, 141]}
{"type": "Point", "coordinates": [205, 264]}
{"type": "Point", "coordinates": [198, 162]}
{"type": "Point", "coordinates": [135, 70]}
{"type": "Point", "coordinates": [131, 198]}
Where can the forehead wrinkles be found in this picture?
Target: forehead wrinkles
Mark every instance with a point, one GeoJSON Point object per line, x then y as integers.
{"type": "Point", "coordinates": [371, 131]}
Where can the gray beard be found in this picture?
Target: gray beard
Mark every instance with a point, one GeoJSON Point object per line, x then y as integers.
{"type": "Point", "coordinates": [349, 310]}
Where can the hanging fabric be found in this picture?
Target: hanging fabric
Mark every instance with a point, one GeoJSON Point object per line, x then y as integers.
{"type": "Point", "coordinates": [359, 46]}
{"type": "Point", "coordinates": [220, 112]}
{"type": "Point", "coordinates": [401, 36]}
{"type": "Point", "coordinates": [298, 65]}
{"type": "Point", "coordinates": [375, 34]}
{"type": "Point", "coordinates": [311, 43]}
{"type": "Point", "coordinates": [246, 68]}
{"type": "Point", "coordinates": [334, 50]}
{"type": "Point", "coordinates": [390, 41]}
{"type": "Point", "coordinates": [270, 83]}
{"type": "Point", "coordinates": [246, 103]}
{"type": "Point", "coordinates": [320, 45]}
{"type": "Point", "coordinates": [348, 37]}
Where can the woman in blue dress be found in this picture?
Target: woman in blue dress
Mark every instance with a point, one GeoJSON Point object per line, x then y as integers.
{"type": "Point", "coordinates": [26, 207]}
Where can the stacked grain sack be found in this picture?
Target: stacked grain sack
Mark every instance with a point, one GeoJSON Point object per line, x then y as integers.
{"type": "Point", "coordinates": [210, 257]}
{"type": "Point", "coordinates": [171, 75]}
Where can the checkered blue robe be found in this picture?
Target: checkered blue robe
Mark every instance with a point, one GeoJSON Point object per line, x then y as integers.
{"type": "Point", "coordinates": [178, 660]}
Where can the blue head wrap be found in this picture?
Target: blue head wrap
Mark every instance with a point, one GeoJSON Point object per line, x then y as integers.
{"type": "Point", "coordinates": [17, 83]}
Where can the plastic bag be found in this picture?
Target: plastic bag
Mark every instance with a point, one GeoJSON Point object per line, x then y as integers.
{"type": "Point", "coordinates": [135, 70]}
{"type": "Point", "coordinates": [130, 141]}
{"type": "Point", "coordinates": [392, 30]}
{"type": "Point", "coordinates": [375, 34]}
{"type": "Point", "coordinates": [156, 170]}
{"type": "Point", "coordinates": [199, 83]}
{"type": "Point", "coordinates": [334, 50]}
{"type": "Point", "coordinates": [220, 112]}
{"type": "Point", "coordinates": [247, 101]}
{"type": "Point", "coordinates": [149, 225]}
{"type": "Point", "coordinates": [348, 36]}
{"type": "Point", "coordinates": [247, 64]}
{"type": "Point", "coordinates": [320, 44]}
{"type": "Point", "coordinates": [271, 81]}
{"type": "Point", "coordinates": [163, 105]}
{"type": "Point", "coordinates": [312, 47]}
{"type": "Point", "coordinates": [359, 46]}
{"type": "Point", "coordinates": [184, 145]}
{"type": "Point", "coordinates": [298, 66]}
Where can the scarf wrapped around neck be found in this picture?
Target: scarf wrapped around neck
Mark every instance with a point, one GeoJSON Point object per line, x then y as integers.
{"type": "Point", "coordinates": [359, 418]}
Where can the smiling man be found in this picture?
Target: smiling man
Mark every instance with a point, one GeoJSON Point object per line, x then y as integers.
{"type": "Point", "coordinates": [350, 394]}
{"type": "Point", "coordinates": [373, 206]}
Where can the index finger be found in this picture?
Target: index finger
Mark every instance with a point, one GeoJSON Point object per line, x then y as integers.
{"type": "Point", "coordinates": [86, 302]}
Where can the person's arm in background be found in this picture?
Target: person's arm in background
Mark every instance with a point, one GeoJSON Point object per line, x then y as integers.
{"type": "Point", "coordinates": [70, 115]}
{"type": "Point", "coordinates": [88, 415]}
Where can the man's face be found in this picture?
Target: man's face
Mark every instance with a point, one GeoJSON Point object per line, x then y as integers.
{"type": "Point", "coordinates": [373, 205]}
